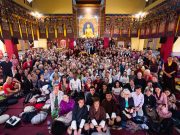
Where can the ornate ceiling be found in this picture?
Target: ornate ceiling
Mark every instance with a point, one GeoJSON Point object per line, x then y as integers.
{"type": "Point", "coordinates": [88, 1]}
{"type": "Point", "coordinates": [65, 6]}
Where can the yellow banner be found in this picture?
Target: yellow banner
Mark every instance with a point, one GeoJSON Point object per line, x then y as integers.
{"type": "Point", "coordinates": [20, 28]}
{"type": "Point", "coordinates": [64, 30]}
{"type": "Point", "coordinates": [38, 33]}
{"type": "Point", "coordinates": [32, 31]}
{"type": "Point", "coordinates": [55, 30]}
{"type": "Point", "coordinates": [47, 31]}
{"type": "Point", "coordinates": [177, 27]}
{"type": "Point", "coordinates": [11, 30]}
{"type": "Point", "coordinates": [139, 32]}
{"type": "Point", "coordinates": [26, 30]}
{"type": "Point", "coordinates": [1, 31]}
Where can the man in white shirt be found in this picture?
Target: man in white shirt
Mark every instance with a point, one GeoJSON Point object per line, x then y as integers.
{"type": "Point", "coordinates": [138, 98]}
{"type": "Point", "coordinates": [75, 84]}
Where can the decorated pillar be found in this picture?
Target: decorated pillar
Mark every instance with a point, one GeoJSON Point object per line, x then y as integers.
{"type": "Point", "coordinates": [11, 48]}
{"type": "Point", "coordinates": [166, 48]}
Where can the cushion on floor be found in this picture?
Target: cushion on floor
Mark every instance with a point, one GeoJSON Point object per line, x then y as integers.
{"type": "Point", "coordinates": [29, 109]}
{"type": "Point", "coordinates": [4, 118]}
{"type": "Point", "coordinates": [39, 118]}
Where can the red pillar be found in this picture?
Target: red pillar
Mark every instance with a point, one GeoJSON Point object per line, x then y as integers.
{"type": "Point", "coordinates": [11, 48]}
{"type": "Point", "coordinates": [71, 44]}
{"type": "Point", "coordinates": [166, 48]}
{"type": "Point", "coordinates": [106, 42]}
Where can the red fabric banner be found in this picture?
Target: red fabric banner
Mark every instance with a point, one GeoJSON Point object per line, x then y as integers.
{"type": "Point", "coordinates": [106, 42]}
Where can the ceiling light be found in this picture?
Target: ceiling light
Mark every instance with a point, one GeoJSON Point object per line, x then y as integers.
{"type": "Point", "coordinates": [88, 10]}
{"type": "Point", "coordinates": [30, 1]}
{"type": "Point", "coordinates": [36, 14]}
{"type": "Point", "coordinates": [140, 15]}
{"type": "Point", "coordinates": [147, 0]}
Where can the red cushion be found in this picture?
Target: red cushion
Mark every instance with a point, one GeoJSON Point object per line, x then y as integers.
{"type": "Point", "coordinates": [38, 106]}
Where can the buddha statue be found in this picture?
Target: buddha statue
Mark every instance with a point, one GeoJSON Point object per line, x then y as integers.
{"type": "Point", "coordinates": [89, 32]}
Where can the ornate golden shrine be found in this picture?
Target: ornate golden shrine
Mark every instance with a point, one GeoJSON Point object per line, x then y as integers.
{"type": "Point", "coordinates": [88, 26]}
{"type": "Point", "coordinates": [89, 20]}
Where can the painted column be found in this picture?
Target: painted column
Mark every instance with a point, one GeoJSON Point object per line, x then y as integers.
{"type": "Point", "coordinates": [11, 48]}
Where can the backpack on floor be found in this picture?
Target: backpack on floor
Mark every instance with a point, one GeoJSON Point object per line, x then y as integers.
{"type": "Point", "coordinates": [27, 116]}
{"type": "Point", "coordinates": [28, 97]}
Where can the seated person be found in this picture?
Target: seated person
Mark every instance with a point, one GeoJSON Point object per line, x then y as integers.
{"type": "Point", "coordinates": [97, 116]}
{"type": "Point", "coordinates": [79, 118]}
{"type": "Point", "coordinates": [64, 84]}
{"type": "Point", "coordinates": [65, 109]}
{"type": "Point", "coordinates": [11, 87]}
{"type": "Point", "coordinates": [102, 93]}
{"type": "Point", "coordinates": [149, 105]}
{"type": "Point", "coordinates": [109, 105]}
{"type": "Point", "coordinates": [138, 98]}
{"type": "Point", "coordinates": [139, 80]}
{"type": "Point", "coordinates": [55, 98]}
{"type": "Point", "coordinates": [90, 96]}
{"type": "Point", "coordinates": [27, 84]}
{"type": "Point", "coordinates": [126, 105]}
{"type": "Point", "coordinates": [55, 79]}
{"type": "Point", "coordinates": [116, 90]}
{"type": "Point", "coordinates": [42, 81]}
{"type": "Point", "coordinates": [171, 100]}
{"type": "Point", "coordinates": [130, 86]}
{"type": "Point", "coordinates": [161, 103]}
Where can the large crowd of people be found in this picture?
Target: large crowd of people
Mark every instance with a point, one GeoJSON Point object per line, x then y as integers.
{"type": "Point", "coordinates": [91, 89]}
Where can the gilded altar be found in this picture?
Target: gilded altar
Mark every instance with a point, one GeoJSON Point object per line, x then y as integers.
{"type": "Point", "coordinates": [88, 26]}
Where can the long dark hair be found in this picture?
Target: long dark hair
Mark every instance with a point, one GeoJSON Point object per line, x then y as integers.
{"type": "Point", "coordinates": [58, 128]}
{"type": "Point", "coordinates": [117, 82]}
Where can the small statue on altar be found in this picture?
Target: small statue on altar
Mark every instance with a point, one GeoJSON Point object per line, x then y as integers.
{"type": "Point", "coordinates": [89, 32]}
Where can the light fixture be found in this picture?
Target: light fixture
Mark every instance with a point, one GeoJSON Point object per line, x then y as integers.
{"type": "Point", "coordinates": [147, 0]}
{"type": "Point", "coordinates": [140, 15]}
{"type": "Point", "coordinates": [36, 14]}
{"type": "Point", "coordinates": [88, 9]}
{"type": "Point", "coordinates": [30, 1]}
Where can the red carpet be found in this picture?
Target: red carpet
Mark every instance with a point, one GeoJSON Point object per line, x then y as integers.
{"type": "Point", "coordinates": [29, 129]}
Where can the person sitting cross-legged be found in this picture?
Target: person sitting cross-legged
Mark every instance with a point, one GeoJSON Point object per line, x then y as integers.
{"type": "Point", "coordinates": [65, 109]}
{"type": "Point", "coordinates": [79, 119]}
{"type": "Point", "coordinates": [11, 87]}
{"type": "Point", "coordinates": [149, 106]}
{"type": "Point", "coordinates": [138, 98]}
{"type": "Point", "coordinates": [97, 116]}
{"type": "Point", "coordinates": [109, 105]}
{"type": "Point", "coordinates": [90, 96]}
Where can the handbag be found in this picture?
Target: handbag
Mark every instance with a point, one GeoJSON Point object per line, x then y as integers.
{"type": "Point", "coordinates": [27, 116]}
